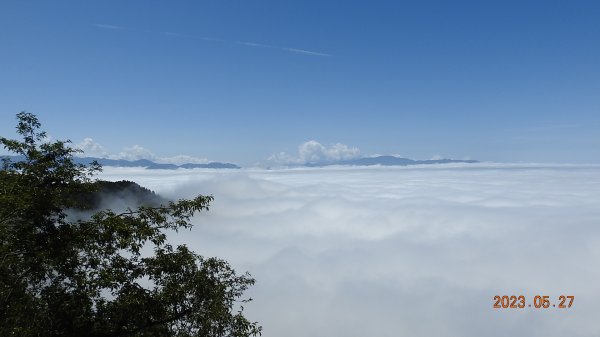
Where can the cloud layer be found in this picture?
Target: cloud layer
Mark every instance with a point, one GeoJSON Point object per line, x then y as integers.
{"type": "Point", "coordinates": [313, 152]}
{"type": "Point", "coordinates": [417, 251]}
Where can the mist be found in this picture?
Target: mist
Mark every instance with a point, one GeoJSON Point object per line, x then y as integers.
{"type": "Point", "coordinates": [401, 251]}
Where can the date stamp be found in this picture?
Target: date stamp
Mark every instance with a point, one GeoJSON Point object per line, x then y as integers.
{"type": "Point", "coordinates": [538, 302]}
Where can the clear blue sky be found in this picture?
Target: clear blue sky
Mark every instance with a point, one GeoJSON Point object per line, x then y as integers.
{"type": "Point", "coordinates": [240, 80]}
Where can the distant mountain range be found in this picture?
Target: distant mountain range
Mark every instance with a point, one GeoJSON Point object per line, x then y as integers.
{"type": "Point", "coordinates": [364, 161]}
{"type": "Point", "coordinates": [143, 163]}
{"type": "Point", "coordinates": [388, 161]}
{"type": "Point", "coordinates": [152, 165]}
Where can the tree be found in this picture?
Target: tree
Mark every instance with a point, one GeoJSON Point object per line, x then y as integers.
{"type": "Point", "coordinates": [109, 275]}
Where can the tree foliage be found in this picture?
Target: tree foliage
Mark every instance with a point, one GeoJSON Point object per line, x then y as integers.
{"type": "Point", "coordinates": [109, 275]}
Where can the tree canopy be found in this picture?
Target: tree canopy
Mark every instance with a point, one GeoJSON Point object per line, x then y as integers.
{"type": "Point", "coordinates": [113, 274]}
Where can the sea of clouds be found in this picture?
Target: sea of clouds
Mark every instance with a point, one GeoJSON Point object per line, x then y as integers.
{"type": "Point", "coordinates": [401, 251]}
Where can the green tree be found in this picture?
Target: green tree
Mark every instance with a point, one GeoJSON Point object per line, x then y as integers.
{"type": "Point", "coordinates": [109, 275]}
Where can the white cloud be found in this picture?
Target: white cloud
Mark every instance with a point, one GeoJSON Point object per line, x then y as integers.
{"type": "Point", "coordinates": [402, 251]}
{"type": "Point", "coordinates": [313, 152]}
{"type": "Point", "coordinates": [182, 159]}
{"type": "Point", "coordinates": [282, 158]}
{"type": "Point", "coordinates": [135, 152]}
{"type": "Point", "coordinates": [91, 149]}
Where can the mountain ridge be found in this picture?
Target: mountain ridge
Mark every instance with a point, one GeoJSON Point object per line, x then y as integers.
{"type": "Point", "coordinates": [384, 160]}
{"type": "Point", "coordinates": [141, 163]}
{"type": "Point", "coordinates": [152, 165]}
{"type": "Point", "coordinates": [387, 160]}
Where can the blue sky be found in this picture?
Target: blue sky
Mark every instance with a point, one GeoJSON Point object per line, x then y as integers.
{"type": "Point", "coordinates": [238, 81]}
